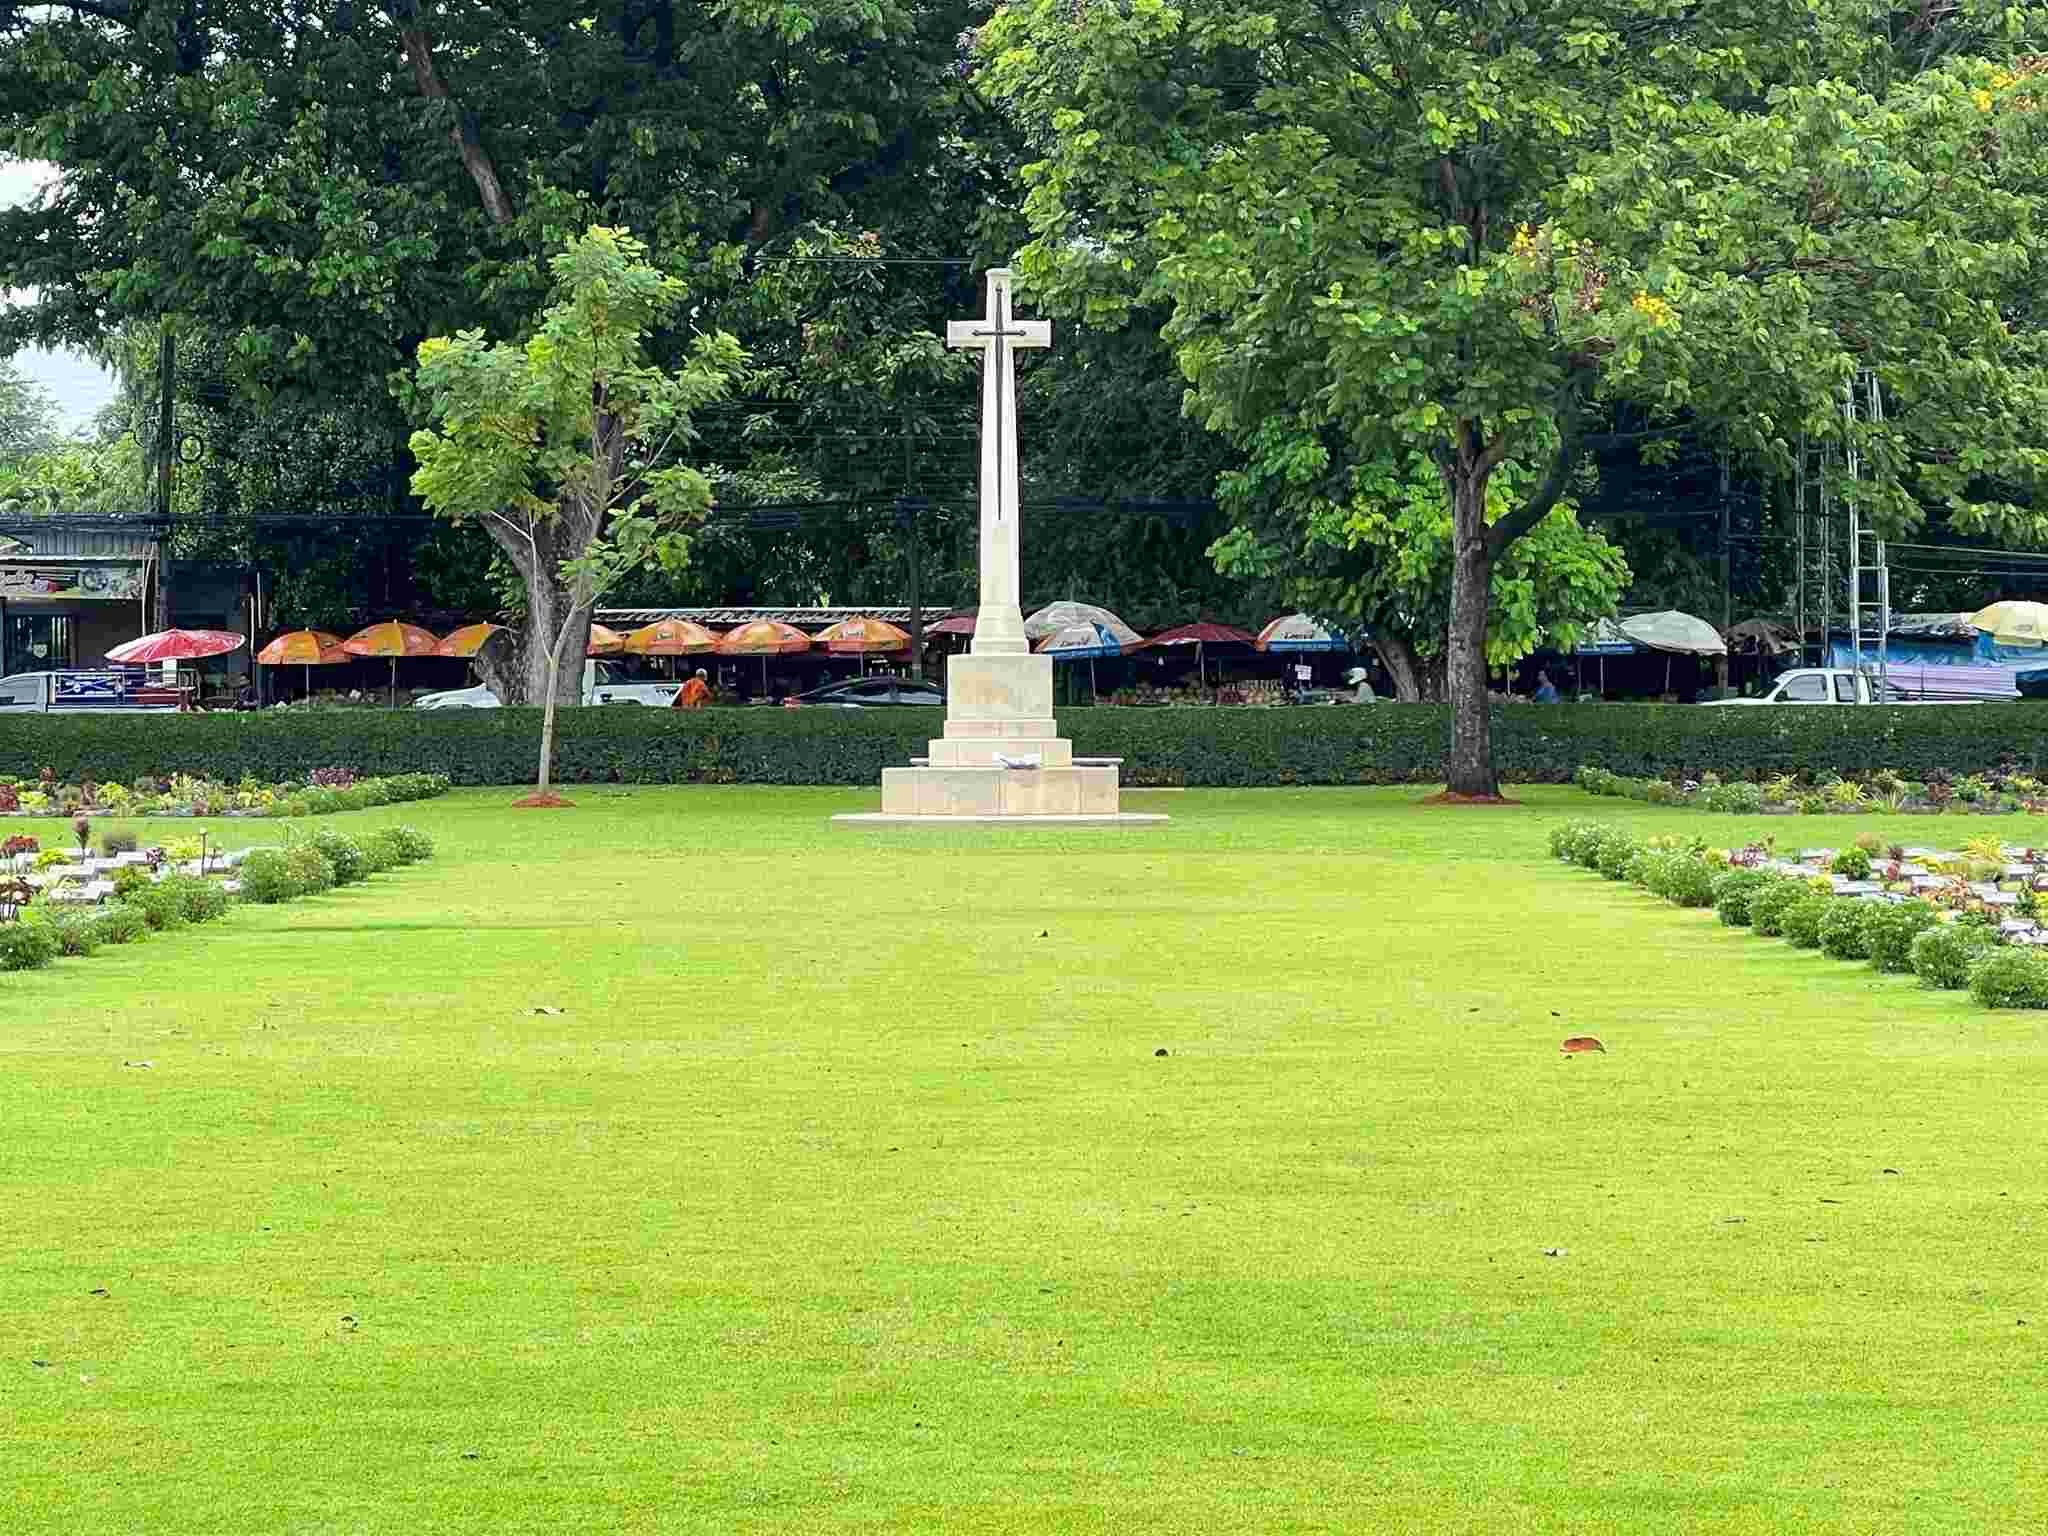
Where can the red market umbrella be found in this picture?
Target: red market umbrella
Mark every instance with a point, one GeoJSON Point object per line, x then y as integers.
{"type": "Point", "coordinates": [391, 639]}
{"type": "Point", "coordinates": [176, 645]}
{"type": "Point", "coordinates": [1202, 635]}
{"type": "Point", "coordinates": [952, 624]}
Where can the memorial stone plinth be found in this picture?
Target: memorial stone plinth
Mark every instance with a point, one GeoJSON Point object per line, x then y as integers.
{"type": "Point", "coordinates": [1001, 757]}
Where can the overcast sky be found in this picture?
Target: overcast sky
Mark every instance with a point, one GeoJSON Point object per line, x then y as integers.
{"type": "Point", "coordinates": [79, 386]}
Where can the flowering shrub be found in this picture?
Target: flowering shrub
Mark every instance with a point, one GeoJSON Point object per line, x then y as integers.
{"type": "Point", "coordinates": [326, 790]}
{"type": "Point", "coordinates": [19, 844]}
{"type": "Point", "coordinates": [1881, 793]}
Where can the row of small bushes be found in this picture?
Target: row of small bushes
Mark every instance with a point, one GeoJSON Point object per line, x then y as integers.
{"type": "Point", "coordinates": [1894, 938]}
{"type": "Point", "coordinates": [1380, 744]}
{"type": "Point", "coordinates": [303, 867]}
{"type": "Point", "coordinates": [306, 866]}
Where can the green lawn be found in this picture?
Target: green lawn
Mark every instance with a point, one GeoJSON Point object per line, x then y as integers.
{"type": "Point", "coordinates": [848, 1192]}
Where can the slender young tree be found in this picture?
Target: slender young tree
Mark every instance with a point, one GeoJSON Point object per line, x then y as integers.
{"type": "Point", "coordinates": [563, 445]}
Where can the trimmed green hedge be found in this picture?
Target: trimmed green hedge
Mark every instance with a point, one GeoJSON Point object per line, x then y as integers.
{"type": "Point", "coordinates": [1376, 744]}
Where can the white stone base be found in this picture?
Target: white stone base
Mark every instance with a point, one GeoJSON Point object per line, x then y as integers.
{"type": "Point", "coordinates": [991, 791]}
{"type": "Point", "coordinates": [884, 819]}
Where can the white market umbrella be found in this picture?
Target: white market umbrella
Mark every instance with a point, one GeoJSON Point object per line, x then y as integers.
{"type": "Point", "coordinates": [1054, 617]}
{"type": "Point", "coordinates": [1675, 634]}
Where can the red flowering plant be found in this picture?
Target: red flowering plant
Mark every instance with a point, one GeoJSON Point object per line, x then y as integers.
{"type": "Point", "coordinates": [20, 843]}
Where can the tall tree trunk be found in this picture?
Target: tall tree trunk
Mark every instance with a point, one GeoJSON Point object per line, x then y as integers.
{"type": "Point", "coordinates": [545, 777]}
{"type": "Point", "coordinates": [1468, 769]}
{"type": "Point", "coordinates": [516, 666]}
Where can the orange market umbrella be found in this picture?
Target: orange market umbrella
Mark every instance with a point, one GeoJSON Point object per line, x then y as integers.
{"type": "Point", "coordinates": [604, 641]}
{"type": "Point", "coordinates": [670, 637]}
{"type": "Point", "coordinates": [466, 641]}
{"type": "Point", "coordinates": [308, 648]}
{"type": "Point", "coordinates": [391, 639]}
{"type": "Point", "coordinates": [861, 635]}
{"type": "Point", "coordinates": [764, 638]}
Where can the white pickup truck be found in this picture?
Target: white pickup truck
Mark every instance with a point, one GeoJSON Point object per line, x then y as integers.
{"type": "Point", "coordinates": [604, 682]}
{"type": "Point", "coordinates": [127, 692]}
{"type": "Point", "coordinates": [1931, 684]}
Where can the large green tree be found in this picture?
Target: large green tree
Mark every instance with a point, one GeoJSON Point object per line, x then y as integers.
{"type": "Point", "coordinates": [304, 193]}
{"type": "Point", "coordinates": [1470, 231]}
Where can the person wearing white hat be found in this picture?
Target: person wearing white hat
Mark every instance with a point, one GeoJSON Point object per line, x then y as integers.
{"type": "Point", "coordinates": [1364, 693]}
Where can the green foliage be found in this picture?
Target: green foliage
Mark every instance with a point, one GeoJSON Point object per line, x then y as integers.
{"type": "Point", "coordinates": [1376, 553]}
{"type": "Point", "coordinates": [2010, 978]}
{"type": "Point", "coordinates": [1389, 235]}
{"type": "Point", "coordinates": [1852, 863]}
{"type": "Point", "coordinates": [1943, 954]}
{"type": "Point", "coordinates": [1891, 933]}
{"type": "Point", "coordinates": [562, 445]}
{"type": "Point", "coordinates": [28, 419]}
{"type": "Point", "coordinates": [1617, 852]}
{"type": "Point", "coordinates": [1196, 747]}
{"type": "Point", "coordinates": [1687, 881]}
{"type": "Point", "coordinates": [1799, 923]}
{"type": "Point", "coordinates": [266, 877]}
{"type": "Point", "coordinates": [1845, 930]}
{"type": "Point", "coordinates": [344, 853]}
{"type": "Point", "coordinates": [162, 904]}
{"type": "Point", "coordinates": [121, 924]}
{"type": "Point", "coordinates": [199, 900]}
{"type": "Point", "coordinates": [380, 853]}
{"type": "Point", "coordinates": [309, 869]}
{"type": "Point", "coordinates": [27, 946]}
{"type": "Point", "coordinates": [410, 844]}
{"type": "Point", "coordinates": [77, 933]}
{"type": "Point", "coordinates": [1733, 893]}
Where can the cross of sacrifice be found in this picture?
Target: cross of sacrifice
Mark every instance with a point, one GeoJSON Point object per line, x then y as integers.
{"type": "Point", "coordinates": [999, 626]}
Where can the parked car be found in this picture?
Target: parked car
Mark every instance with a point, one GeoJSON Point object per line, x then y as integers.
{"type": "Point", "coordinates": [875, 692]}
{"type": "Point", "coordinates": [604, 682]}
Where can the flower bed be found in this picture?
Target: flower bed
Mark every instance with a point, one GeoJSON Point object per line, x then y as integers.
{"type": "Point", "coordinates": [65, 904]}
{"type": "Point", "coordinates": [1880, 793]}
{"type": "Point", "coordinates": [1965, 919]}
{"type": "Point", "coordinates": [322, 792]}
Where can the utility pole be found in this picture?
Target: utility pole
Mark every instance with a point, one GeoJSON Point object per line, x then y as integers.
{"type": "Point", "coordinates": [166, 418]}
{"type": "Point", "coordinates": [166, 457]}
{"type": "Point", "coordinates": [907, 508]}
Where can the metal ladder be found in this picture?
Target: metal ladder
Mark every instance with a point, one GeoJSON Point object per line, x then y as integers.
{"type": "Point", "coordinates": [1870, 577]}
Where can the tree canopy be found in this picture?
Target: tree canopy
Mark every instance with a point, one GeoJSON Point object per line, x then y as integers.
{"type": "Point", "coordinates": [1482, 233]}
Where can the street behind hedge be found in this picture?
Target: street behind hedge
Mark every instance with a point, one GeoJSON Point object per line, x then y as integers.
{"type": "Point", "coordinates": [682, 1162]}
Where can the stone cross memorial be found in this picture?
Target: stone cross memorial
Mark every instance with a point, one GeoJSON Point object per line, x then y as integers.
{"type": "Point", "coordinates": [1001, 758]}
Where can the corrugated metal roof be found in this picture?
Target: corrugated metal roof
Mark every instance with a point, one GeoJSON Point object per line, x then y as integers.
{"type": "Point", "coordinates": [44, 545]}
{"type": "Point", "coordinates": [802, 618]}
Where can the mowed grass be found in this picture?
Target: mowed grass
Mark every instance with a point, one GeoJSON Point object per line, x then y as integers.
{"type": "Point", "coordinates": [848, 1191]}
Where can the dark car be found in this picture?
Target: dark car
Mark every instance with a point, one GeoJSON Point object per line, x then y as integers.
{"type": "Point", "coordinates": [873, 692]}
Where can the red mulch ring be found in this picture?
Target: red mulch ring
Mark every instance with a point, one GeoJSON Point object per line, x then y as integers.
{"type": "Point", "coordinates": [547, 802]}
{"type": "Point", "coordinates": [1578, 1044]}
{"type": "Point", "coordinates": [1447, 798]}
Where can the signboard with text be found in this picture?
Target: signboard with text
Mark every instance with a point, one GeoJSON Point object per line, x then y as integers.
{"type": "Point", "coordinates": [98, 583]}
